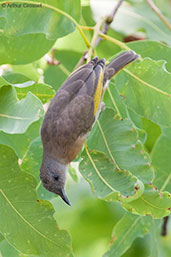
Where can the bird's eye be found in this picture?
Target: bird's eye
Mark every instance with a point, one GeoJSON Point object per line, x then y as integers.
{"type": "Point", "coordinates": [56, 177]}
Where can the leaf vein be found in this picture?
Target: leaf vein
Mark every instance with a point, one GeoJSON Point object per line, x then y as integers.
{"type": "Point", "coordinates": [96, 169]}
{"type": "Point", "coordinates": [147, 84]}
{"type": "Point", "coordinates": [107, 146]}
{"type": "Point", "coordinates": [27, 222]}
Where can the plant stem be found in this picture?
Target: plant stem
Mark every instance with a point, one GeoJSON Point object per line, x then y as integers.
{"type": "Point", "coordinates": [61, 12]}
{"type": "Point", "coordinates": [38, 185]}
{"type": "Point", "coordinates": [164, 226]}
{"type": "Point", "coordinates": [109, 20]}
{"type": "Point", "coordinates": [82, 60]}
{"type": "Point", "coordinates": [158, 12]}
{"type": "Point", "coordinates": [95, 36]}
{"type": "Point", "coordinates": [86, 27]}
{"type": "Point", "coordinates": [115, 41]}
{"type": "Point", "coordinates": [114, 103]}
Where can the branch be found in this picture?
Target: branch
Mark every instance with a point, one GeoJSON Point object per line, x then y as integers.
{"type": "Point", "coordinates": [158, 12]}
{"type": "Point", "coordinates": [82, 60]}
{"type": "Point", "coordinates": [164, 226]}
{"type": "Point", "coordinates": [95, 36]}
{"type": "Point", "coordinates": [52, 61]}
{"type": "Point", "coordinates": [109, 20]}
{"type": "Point", "coordinates": [104, 22]}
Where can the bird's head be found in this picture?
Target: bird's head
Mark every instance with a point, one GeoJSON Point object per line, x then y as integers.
{"type": "Point", "coordinates": [53, 176]}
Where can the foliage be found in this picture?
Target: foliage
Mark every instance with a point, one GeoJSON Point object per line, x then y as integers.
{"type": "Point", "coordinates": [126, 159]}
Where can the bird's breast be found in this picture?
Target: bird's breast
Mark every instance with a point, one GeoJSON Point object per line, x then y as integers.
{"type": "Point", "coordinates": [76, 147]}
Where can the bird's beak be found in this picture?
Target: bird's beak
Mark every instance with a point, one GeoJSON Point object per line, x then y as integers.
{"type": "Point", "coordinates": [64, 197]}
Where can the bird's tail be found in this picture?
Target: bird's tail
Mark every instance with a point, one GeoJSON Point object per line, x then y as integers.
{"type": "Point", "coordinates": [119, 63]}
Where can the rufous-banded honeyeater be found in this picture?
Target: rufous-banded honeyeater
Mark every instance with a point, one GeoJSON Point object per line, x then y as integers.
{"type": "Point", "coordinates": [71, 115]}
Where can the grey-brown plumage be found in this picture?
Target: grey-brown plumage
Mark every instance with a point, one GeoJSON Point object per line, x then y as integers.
{"type": "Point", "coordinates": [71, 116]}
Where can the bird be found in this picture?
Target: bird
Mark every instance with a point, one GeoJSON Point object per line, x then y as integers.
{"type": "Point", "coordinates": [71, 116]}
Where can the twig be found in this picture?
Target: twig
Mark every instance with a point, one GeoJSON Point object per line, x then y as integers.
{"type": "Point", "coordinates": [95, 36]}
{"type": "Point", "coordinates": [104, 22]}
{"type": "Point", "coordinates": [164, 226]}
{"type": "Point", "coordinates": [82, 60]}
{"type": "Point", "coordinates": [109, 20]}
{"type": "Point", "coordinates": [158, 12]}
{"type": "Point", "coordinates": [51, 61]}
{"type": "Point", "coordinates": [115, 41]}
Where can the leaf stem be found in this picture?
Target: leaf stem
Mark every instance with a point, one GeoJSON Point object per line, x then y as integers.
{"type": "Point", "coordinates": [64, 69]}
{"type": "Point", "coordinates": [95, 36]}
{"type": "Point", "coordinates": [109, 20]}
{"type": "Point", "coordinates": [147, 84]}
{"type": "Point", "coordinates": [158, 13]}
{"type": "Point", "coordinates": [166, 183]}
{"type": "Point", "coordinates": [114, 103]}
{"type": "Point", "coordinates": [115, 41]}
{"type": "Point", "coordinates": [86, 27]}
{"type": "Point", "coordinates": [61, 12]}
{"type": "Point", "coordinates": [96, 169]}
{"type": "Point", "coordinates": [40, 182]}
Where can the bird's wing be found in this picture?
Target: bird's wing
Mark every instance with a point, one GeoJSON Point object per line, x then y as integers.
{"type": "Point", "coordinates": [119, 63]}
{"type": "Point", "coordinates": [72, 112]}
{"type": "Point", "coordinates": [75, 122]}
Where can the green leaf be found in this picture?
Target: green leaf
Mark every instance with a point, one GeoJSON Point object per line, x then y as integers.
{"type": "Point", "coordinates": [23, 85]}
{"type": "Point", "coordinates": [162, 162]}
{"type": "Point", "coordinates": [22, 35]}
{"type": "Point", "coordinates": [152, 202]}
{"type": "Point", "coordinates": [16, 116]}
{"type": "Point", "coordinates": [118, 139]}
{"type": "Point", "coordinates": [1, 237]}
{"type": "Point", "coordinates": [153, 132]}
{"type": "Point", "coordinates": [3, 82]}
{"type": "Point", "coordinates": [132, 18]}
{"type": "Point", "coordinates": [67, 58]}
{"type": "Point", "coordinates": [114, 100]}
{"type": "Point", "coordinates": [87, 17]}
{"type": "Point", "coordinates": [147, 91]}
{"type": "Point", "coordinates": [164, 8]}
{"type": "Point", "coordinates": [106, 181]}
{"type": "Point", "coordinates": [125, 232]}
{"type": "Point", "coordinates": [17, 79]}
{"type": "Point", "coordinates": [71, 42]}
{"type": "Point", "coordinates": [154, 50]}
{"type": "Point", "coordinates": [151, 129]}
{"type": "Point", "coordinates": [23, 49]}
{"type": "Point", "coordinates": [154, 238]}
{"type": "Point", "coordinates": [31, 163]}
{"type": "Point", "coordinates": [89, 218]}
{"type": "Point", "coordinates": [54, 19]}
{"type": "Point", "coordinates": [31, 71]}
{"type": "Point", "coordinates": [73, 173]}
{"type": "Point", "coordinates": [43, 91]}
{"type": "Point", "coordinates": [33, 230]}
{"type": "Point", "coordinates": [20, 142]}
{"type": "Point", "coordinates": [56, 75]}
{"type": "Point", "coordinates": [32, 160]}
{"type": "Point", "coordinates": [7, 250]}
